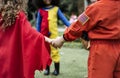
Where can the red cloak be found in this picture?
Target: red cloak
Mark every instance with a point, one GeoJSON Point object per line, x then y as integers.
{"type": "Point", "coordinates": [22, 50]}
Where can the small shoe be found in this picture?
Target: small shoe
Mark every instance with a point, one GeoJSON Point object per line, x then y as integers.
{"type": "Point", "coordinates": [55, 73]}
{"type": "Point", "coordinates": [46, 72]}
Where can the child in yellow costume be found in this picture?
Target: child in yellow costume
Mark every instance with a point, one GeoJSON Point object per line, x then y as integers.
{"type": "Point", "coordinates": [47, 18]}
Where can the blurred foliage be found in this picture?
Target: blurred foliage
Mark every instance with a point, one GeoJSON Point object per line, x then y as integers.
{"type": "Point", "coordinates": [71, 6]}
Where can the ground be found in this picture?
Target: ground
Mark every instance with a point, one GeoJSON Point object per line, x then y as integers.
{"type": "Point", "coordinates": [73, 64]}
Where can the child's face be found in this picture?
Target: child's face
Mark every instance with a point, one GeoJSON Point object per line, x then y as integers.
{"type": "Point", "coordinates": [47, 2]}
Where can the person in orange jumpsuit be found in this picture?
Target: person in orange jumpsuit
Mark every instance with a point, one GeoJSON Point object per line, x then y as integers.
{"type": "Point", "coordinates": [101, 20]}
{"type": "Point", "coordinates": [22, 48]}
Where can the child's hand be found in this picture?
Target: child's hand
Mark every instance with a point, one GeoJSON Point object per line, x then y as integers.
{"type": "Point", "coordinates": [48, 40]}
{"type": "Point", "coordinates": [58, 42]}
{"type": "Point", "coordinates": [85, 43]}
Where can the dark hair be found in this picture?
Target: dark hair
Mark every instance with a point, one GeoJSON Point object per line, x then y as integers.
{"type": "Point", "coordinates": [40, 3]}
{"type": "Point", "coordinates": [9, 11]}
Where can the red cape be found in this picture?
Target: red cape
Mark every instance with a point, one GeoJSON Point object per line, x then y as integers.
{"type": "Point", "coordinates": [22, 50]}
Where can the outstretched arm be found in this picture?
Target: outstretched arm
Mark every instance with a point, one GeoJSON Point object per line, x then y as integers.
{"type": "Point", "coordinates": [63, 18]}
{"type": "Point", "coordinates": [38, 22]}
{"type": "Point", "coordinates": [48, 39]}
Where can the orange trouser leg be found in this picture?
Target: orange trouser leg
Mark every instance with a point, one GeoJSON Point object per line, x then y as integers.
{"type": "Point", "coordinates": [104, 59]}
{"type": "Point", "coordinates": [117, 69]}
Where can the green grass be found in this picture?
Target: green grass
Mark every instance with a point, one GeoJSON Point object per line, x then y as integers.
{"type": "Point", "coordinates": [73, 64]}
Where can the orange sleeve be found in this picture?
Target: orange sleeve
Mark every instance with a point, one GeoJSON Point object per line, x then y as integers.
{"type": "Point", "coordinates": [73, 32]}
{"type": "Point", "coordinates": [85, 22]}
